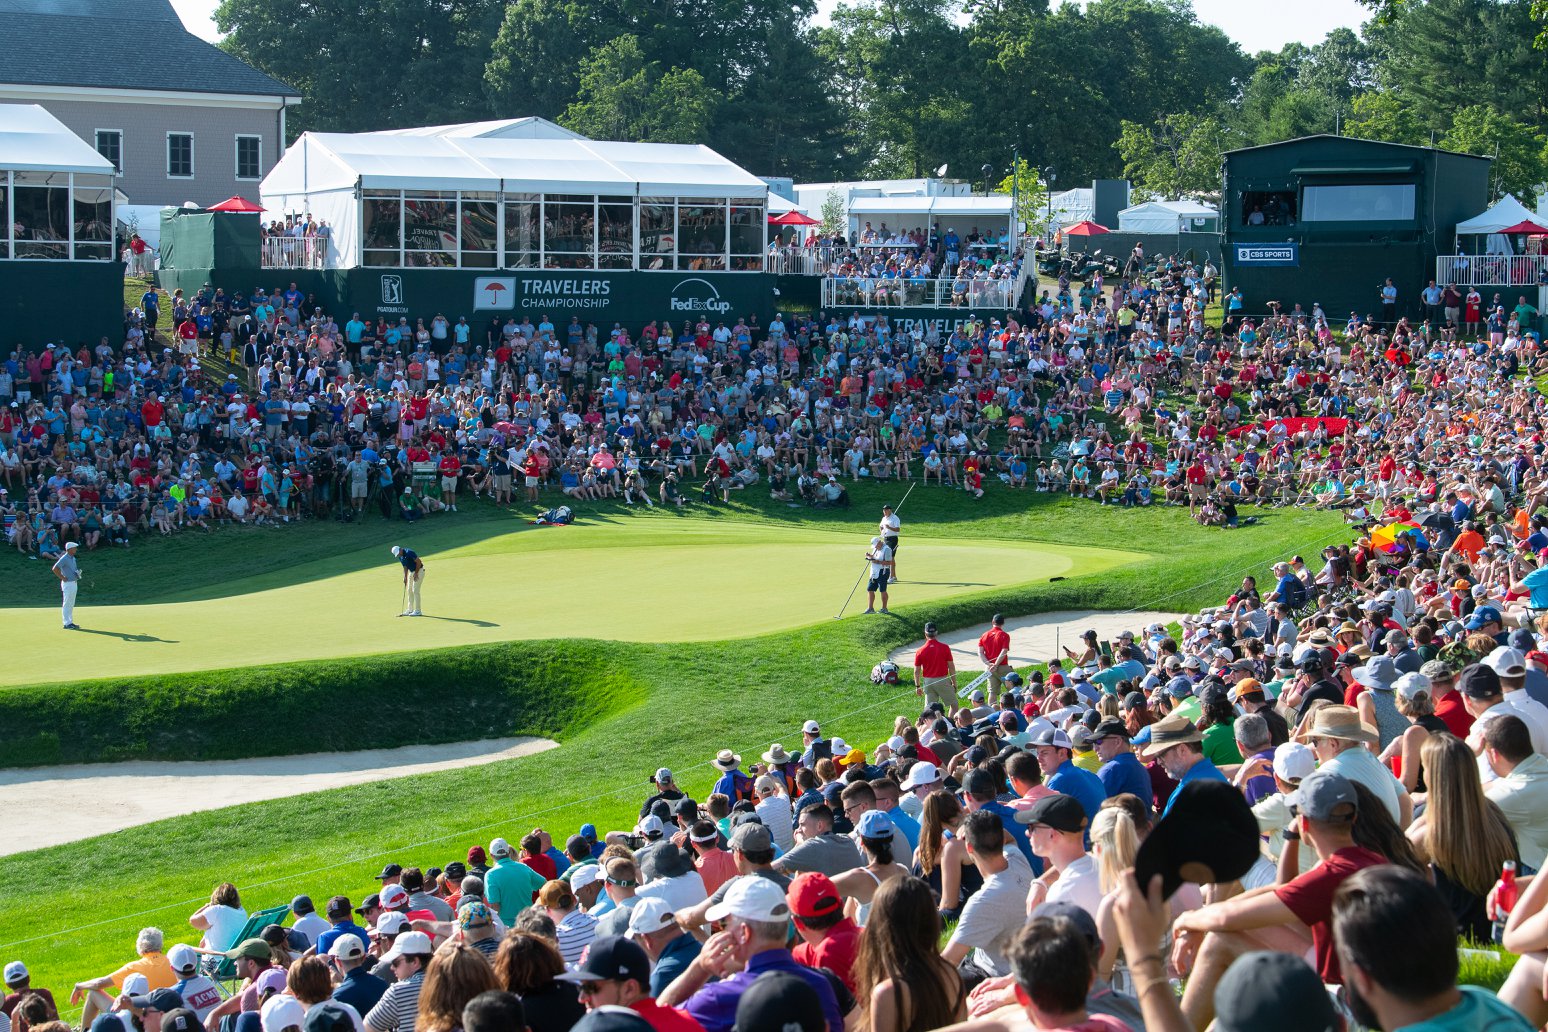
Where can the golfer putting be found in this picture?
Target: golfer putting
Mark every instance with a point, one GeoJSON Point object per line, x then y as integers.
{"type": "Point", "coordinates": [69, 574]}
{"type": "Point", "coordinates": [413, 578]}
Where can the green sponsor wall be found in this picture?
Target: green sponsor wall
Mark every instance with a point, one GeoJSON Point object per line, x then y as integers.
{"type": "Point", "coordinates": [60, 302]}
{"type": "Point", "coordinates": [628, 298]}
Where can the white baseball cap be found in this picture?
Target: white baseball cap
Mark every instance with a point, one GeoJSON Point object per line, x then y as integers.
{"type": "Point", "coordinates": [409, 943]}
{"type": "Point", "coordinates": [396, 549]}
{"type": "Point", "coordinates": [1506, 662]}
{"type": "Point", "coordinates": [811, 727]}
{"type": "Point", "coordinates": [181, 957]}
{"type": "Point", "coordinates": [590, 874]}
{"type": "Point", "coordinates": [1293, 761]}
{"type": "Point", "coordinates": [281, 1012]}
{"type": "Point", "coordinates": [650, 914]}
{"type": "Point", "coordinates": [921, 774]}
{"type": "Point", "coordinates": [650, 826]}
{"type": "Point", "coordinates": [1411, 686]}
{"type": "Point", "coordinates": [390, 922]}
{"type": "Point", "coordinates": [751, 898]}
{"type": "Point", "coordinates": [393, 896]}
{"type": "Point", "coordinates": [15, 972]}
{"type": "Point", "coordinates": [348, 946]}
{"type": "Point", "coordinates": [499, 847]}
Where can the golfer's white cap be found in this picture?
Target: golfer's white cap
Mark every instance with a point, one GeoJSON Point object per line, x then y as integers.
{"type": "Point", "coordinates": [876, 541]}
{"type": "Point", "coordinates": [72, 544]}
{"type": "Point", "coordinates": [396, 549]}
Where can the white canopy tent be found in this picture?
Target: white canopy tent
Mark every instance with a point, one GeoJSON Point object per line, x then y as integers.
{"type": "Point", "coordinates": [58, 191]}
{"type": "Point", "coordinates": [990, 215]}
{"type": "Point", "coordinates": [1503, 214]}
{"type": "Point", "coordinates": [510, 181]}
{"type": "Point", "coordinates": [1169, 217]}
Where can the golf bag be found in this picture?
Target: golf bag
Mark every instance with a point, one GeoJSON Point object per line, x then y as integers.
{"type": "Point", "coordinates": [885, 672]}
{"type": "Point", "coordinates": [559, 516]}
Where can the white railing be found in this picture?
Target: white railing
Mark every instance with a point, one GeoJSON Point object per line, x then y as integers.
{"type": "Point", "coordinates": [862, 292]}
{"type": "Point", "coordinates": [286, 252]}
{"type": "Point", "coordinates": [1497, 270]}
{"type": "Point", "coordinates": [794, 260]}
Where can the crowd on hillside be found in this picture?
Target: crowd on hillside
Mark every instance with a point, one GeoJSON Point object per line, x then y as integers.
{"type": "Point", "coordinates": [1349, 755]}
{"type": "Point", "coordinates": [1124, 395]}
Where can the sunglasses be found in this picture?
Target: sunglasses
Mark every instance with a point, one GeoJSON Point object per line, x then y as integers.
{"type": "Point", "coordinates": [591, 987]}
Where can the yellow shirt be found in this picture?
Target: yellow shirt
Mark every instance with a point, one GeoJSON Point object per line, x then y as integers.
{"type": "Point", "coordinates": [1087, 759]}
{"type": "Point", "coordinates": [154, 966]}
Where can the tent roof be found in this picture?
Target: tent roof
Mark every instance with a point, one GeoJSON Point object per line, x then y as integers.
{"type": "Point", "coordinates": [528, 128]}
{"type": "Point", "coordinates": [319, 162]}
{"type": "Point", "coordinates": [1191, 209]}
{"type": "Point", "coordinates": [32, 140]}
{"type": "Point", "coordinates": [994, 205]}
{"type": "Point", "coordinates": [1505, 213]}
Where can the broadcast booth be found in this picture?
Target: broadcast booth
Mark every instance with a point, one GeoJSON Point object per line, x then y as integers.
{"type": "Point", "coordinates": [520, 216]}
{"type": "Point", "coordinates": [57, 203]}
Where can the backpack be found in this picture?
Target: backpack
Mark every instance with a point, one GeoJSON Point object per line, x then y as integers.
{"type": "Point", "coordinates": [885, 672]}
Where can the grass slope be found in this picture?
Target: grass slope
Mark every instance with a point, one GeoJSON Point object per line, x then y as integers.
{"type": "Point", "coordinates": [72, 911]}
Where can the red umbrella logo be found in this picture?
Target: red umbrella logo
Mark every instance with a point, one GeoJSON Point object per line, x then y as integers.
{"type": "Point", "coordinates": [494, 289]}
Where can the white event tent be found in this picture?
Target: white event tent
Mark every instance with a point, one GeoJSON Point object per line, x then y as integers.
{"type": "Point", "coordinates": [523, 193]}
{"type": "Point", "coordinates": [991, 215]}
{"type": "Point", "coordinates": [1169, 217]}
{"type": "Point", "coordinates": [1504, 214]}
{"type": "Point", "coordinates": [58, 192]}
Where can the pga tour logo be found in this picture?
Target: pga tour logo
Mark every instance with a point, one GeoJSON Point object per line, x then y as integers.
{"type": "Point", "coordinates": [697, 295]}
{"type": "Point", "coordinates": [392, 290]}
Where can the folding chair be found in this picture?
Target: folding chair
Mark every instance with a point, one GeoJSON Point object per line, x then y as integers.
{"type": "Point", "coordinates": [225, 969]}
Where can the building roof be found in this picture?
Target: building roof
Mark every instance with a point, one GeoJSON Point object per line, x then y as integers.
{"type": "Point", "coordinates": [1356, 139]}
{"type": "Point", "coordinates": [32, 140]}
{"type": "Point", "coordinates": [119, 45]}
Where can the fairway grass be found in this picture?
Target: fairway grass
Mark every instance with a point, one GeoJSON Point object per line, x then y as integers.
{"type": "Point", "coordinates": [666, 578]}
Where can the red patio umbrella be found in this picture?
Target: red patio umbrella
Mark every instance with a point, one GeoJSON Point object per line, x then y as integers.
{"type": "Point", "coordinates": [1525, 226]}
{"type": "Point", "coordinates": [1086, 228]}
{"type": "Point", "coordinates": [792, 218]}
{"type": "Point", "coordinates": [237, 205]}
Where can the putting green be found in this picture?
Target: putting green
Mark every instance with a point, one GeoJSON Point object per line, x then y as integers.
{"type": "Point", "coordinates": [662, 579]}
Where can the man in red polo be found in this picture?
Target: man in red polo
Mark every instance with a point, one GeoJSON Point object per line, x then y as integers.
{"type": "Point", "coordinates": [993, 651]}
{"type": "Point", "coordinates": [935, 672]}
{"type": "Point", "coordinates": [828, 938]}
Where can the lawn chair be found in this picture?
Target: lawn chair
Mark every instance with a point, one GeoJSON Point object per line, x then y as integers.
{"type": "Point", "coordinates": [225, 968]}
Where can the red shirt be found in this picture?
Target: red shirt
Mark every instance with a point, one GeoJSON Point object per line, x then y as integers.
{"type": "Point", "coordinates": [1310, 898]}
{"type": "Point", "coordinates": [995, 644]}
{"type": "Point", "coordinates": [836, 952]}
{"type": "Point", "coordinates": [1450, 709]}
{"type": "Point", "coordinates": [665, 1019]}
{"type": "Point", "coordinates": [933, 658]}
{"type": "Point", "coordinates": [543, 864]}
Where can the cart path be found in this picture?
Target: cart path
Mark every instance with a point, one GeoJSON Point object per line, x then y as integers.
{"type": "Point", "coordinates": [1032, 637]}
{"type": "Point", "coordinates": [48, 806]}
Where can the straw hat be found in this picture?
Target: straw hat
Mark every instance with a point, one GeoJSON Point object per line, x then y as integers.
{"type": "Point", "coordinates": [1175, 729]}
{"type": "Point", "coordinates": [777, 755]}
{"type": "Point", "coordinates": [1339, 722]}
{"type": "Point", "coordinates": [727, 760]}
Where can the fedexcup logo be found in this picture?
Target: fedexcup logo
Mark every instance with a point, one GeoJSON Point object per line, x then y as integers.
{"type": "Point", "coordinates": [697, 295]}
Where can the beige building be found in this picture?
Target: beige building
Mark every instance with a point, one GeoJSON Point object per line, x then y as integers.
{"type": "Point", "coordinates": [181, 119]}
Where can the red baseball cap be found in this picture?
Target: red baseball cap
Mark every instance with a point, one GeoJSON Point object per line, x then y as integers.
{"type": "Point", "coordinates": [813, 894]}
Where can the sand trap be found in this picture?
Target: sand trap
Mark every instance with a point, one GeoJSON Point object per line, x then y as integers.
{"type": "Point", "coordinates": [47, 806]}
{"type": "Point", "coordinates": [1032, 637]}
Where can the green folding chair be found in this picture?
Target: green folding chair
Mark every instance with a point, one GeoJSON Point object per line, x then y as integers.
{"type": "Point", "coordinates": [225, 970]}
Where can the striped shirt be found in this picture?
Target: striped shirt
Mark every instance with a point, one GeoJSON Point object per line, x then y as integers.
{"type": "Point", "coordinates": [398, 1008]}
{"type": "Point", "coordinates": [575, 933]}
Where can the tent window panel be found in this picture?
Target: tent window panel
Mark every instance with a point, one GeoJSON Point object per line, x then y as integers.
{"type": "Point", "coordinates": [701, 232]}
{"type": "Point", "coordinates": [658, 232]}
{"type": "Point", "coordinates": [480, 226]}
{"type": "Point", "coordinates": [93, 221]}
{"type": "Point", "coordinates": [381, 224]}
{"type": "Point", "coordinates": [523, 230]}
{"type": "Point", "coordinates": [5, 225]}
{"type": "Point", "coordinates": [429, 231]}
{"type": "Point", "coordinates": [747, 230]}
{"type": "Point", "coordinates": [382, 259]}
{"type": "Point", "coordinates": [42, 216]}
{"type": "Point", "coordinates": [569, 228]}
{"type": "Point", "coordinates": [615, 234]}
{"type": "Point", "coordinates": [1365, 202]}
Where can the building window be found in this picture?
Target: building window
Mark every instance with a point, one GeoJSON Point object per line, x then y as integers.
{"type": "Point", "coordinates": [180, 156]}
{"type": "Point", "coordinates": [249, 157]}
{"type": "Point", "coordinates": [110, 144]}
{"type": "Point", "coordinates": [1366, 202]}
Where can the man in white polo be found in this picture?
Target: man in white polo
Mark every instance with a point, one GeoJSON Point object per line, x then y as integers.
{"type": "Point", "coordinates": [888, 529]}
{"type": "Point", "coordinates": [69, 575]}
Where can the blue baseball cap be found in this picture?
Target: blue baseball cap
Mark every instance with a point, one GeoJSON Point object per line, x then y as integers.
{"type": "Point", "coordinates": [588, 831]}
{"type": "Point", "coordinates": [875, 824]}
{"type": "Point", "coordinates": [1483, 615]}
{"type": "Point", "coordinates": [1179, 687]}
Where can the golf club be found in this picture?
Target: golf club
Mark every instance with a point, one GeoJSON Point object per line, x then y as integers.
{"type": "Point", "coordinates": [896, 509]}
{"type": "Point", "coordinates": [404, 604]}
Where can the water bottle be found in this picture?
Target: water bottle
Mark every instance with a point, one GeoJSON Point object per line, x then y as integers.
{"type": "Point", "coordinates": [1504, 899]}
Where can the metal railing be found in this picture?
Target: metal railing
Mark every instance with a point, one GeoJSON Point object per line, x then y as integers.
{"type": "Point", "coordinates": [285, 252]}
{"type": "Point", "coordinates": [794, 260]}
{"type": "Point", "coordinates": [863, 292]}
{"type": "Point", "coordinates": [1498, 270]}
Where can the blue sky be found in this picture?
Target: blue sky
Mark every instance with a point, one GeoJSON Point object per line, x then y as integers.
{"type": "Point", "coordinates": [1255, 24]}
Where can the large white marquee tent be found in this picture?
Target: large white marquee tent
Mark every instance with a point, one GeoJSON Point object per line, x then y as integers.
{"type": "Point", "coordinates": [56, 192]}
{"type": "Point", "coordinates": [520, 194]}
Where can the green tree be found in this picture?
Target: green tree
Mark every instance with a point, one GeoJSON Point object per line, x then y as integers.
{"type": "Point", "coordinates": [623, 96]}
{"type": "Point", "coordinates": [370, 64]}
{"type": "Point", "coordinates": [1177, 156]}
{"type": "Point", "coordinates": [1382, 115]}
{"type": "Point", "coordinates": [835, 219]}
{"type": "Point", "coordinates": [1031, 193]}
{"type": "Point", "coordinates": [1520, 152]}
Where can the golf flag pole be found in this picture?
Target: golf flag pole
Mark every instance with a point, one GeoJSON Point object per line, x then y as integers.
{"type": "Point", "coordinates": [850, 597]}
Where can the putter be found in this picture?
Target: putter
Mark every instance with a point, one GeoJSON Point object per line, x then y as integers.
{"type": "Point", "coordinates": [851, 595]}
{"type": "Point", "coordinates": [404, 604]}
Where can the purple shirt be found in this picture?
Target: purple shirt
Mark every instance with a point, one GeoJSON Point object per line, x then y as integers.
{"type": "Point", "coordinates": [714, 1006]}
{"type": "Point", "coordinates": [1260, 786]}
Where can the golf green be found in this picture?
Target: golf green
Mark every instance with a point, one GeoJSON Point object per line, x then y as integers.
{"type": "Point", "coordinates": [647, 579]}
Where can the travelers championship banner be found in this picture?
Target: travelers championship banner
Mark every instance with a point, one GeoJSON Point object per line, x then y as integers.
{"type": "Point", "coordinates": [1287, 255]}
{"type": "Point", "coordinates": [601, 297]}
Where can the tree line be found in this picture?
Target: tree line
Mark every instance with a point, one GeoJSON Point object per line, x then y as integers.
{"type": "Point", "coordinates": [898, 88]}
